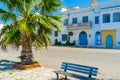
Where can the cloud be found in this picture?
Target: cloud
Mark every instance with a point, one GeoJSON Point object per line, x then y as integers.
{"type": "Point", "coordinates": [1, 25]}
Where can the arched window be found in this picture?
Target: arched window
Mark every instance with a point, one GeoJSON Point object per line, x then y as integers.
{"type": "Point", "coordinates": [97, 38]}
{"type": "Point", "coordinates": [116, 17]}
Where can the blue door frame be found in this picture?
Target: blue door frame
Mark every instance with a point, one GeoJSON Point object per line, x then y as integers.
{"type": "Point", "coordinates": [83, 38]}
{"type": "Point", "coordinates": [109, 41]}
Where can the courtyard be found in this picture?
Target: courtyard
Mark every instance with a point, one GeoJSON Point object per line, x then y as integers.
{"type": "Point", "coordinates": [107, 60]}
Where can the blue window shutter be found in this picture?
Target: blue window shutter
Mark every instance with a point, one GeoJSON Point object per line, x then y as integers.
{"type": "Point", "coordinates": [96, 19]}
{"type": "Point", "coordinates": [74, 20]}
{"type": "Point", "coordinates": [97, 38]}
{"type": "Point", "coordinates": [106, 18]}
{"type": "Point", "coordinates": [116, 17]}
{"type": "Point", "coordinates": [64, 37]}
{"type": "Point", "coordinates": [65, 22]}
{"type": "Point", "coordinates": [85, 19]}
{"type": "Point", "coordinates": [56, 33]}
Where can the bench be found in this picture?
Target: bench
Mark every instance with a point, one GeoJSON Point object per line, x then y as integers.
{"type": "Point", "coordinates": [75, 70]}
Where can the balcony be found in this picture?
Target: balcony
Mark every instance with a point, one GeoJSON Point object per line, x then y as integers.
{"type": "Point", "coordinates": [79, 26]}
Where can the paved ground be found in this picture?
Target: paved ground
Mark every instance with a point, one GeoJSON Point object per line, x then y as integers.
{"type": "Point", "coordinates": [107, 60]}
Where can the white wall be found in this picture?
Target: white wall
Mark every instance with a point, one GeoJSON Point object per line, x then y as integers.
{"type": "Point", "coordinates": [111, 25]}
{"type": "Point", "coordinates": [78, 13]}
{"type": "Point", "coordinates": [76, 34]}
{"type": "Point", "coordinates": [91, 12]}
{"type": "Point", "coordinates": [118, 38]}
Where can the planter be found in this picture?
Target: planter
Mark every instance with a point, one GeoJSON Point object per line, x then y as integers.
{"type": "Point", "coordinates": [26, 67]}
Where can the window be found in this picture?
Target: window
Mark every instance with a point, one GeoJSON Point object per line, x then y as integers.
{"type": "Point", "coordinates": [64, 37]}
{"type": "Point", "coordinates": [74, 20]}
{"type": "Point", "coordinates": [85, 19]}
{"type": "Point", "coordinates": [65, 22]}
{"type": "Point", "coordinates": [116, 17]}
{"type": "Point", "coordinates": [56, 33]}
{"type": "Point", "coordinates": [106, 18]}
{"type": "Point", "coordinates": [97, 38]}
{"type": "Point", "coordinates": [96, 19]}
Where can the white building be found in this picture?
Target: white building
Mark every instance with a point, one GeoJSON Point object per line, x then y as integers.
{"type": "Point", "coordinates": [95, 26]}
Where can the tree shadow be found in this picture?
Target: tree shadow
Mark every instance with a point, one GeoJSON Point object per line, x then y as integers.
{"type": "Point", "coordinates": [7, 65]}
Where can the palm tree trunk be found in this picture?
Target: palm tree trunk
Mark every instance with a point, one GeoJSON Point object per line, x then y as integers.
{"type": "Point", "coordinates": [26, 53]}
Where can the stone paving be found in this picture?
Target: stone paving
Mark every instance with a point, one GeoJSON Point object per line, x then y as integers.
{"type": "Point", "coordinates": [107, 60]}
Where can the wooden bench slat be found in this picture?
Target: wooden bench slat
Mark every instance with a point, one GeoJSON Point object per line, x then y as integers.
{"type": "Point", "coordinates": [76, 68]}
{"type": "Point", "coordinates": [64, 63]}
{"type": "Point", "coordinates": [80, 68]}
{"type": "Point", "coordinates": [87, 68]}
{"type": "Point", "coordinates": [82, 71]}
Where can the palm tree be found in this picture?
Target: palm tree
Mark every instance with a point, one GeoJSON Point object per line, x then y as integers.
{"type": "Point", "coordinates": [28, 23]}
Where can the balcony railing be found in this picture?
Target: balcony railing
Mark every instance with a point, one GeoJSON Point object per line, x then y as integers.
{"type": "Point", "coordinates": [79, 25]}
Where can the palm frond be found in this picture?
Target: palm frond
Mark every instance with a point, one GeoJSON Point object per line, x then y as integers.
{"type": "Point", "coordinates": [6, 16]}
{"type": "Point", "coordinates": [25, 21]}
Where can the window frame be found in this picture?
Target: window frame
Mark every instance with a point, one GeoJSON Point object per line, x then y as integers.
{"type": "Point", "coordinates": [56, 33]}
{"type": "Point", "coordinates": [85, 19]}
{"type": "Point", "coordinates": [96, 19]}
{"type": "Point", "coordinates": [65, 22]}
{"type": "Point", "coordinates": [116, 17]}
{"type": "Point", "coordinates": [63, 39]}
{"type": "Point", "coordinates": [74, 20]}
{"type": "Point", "coordinates": [106, 18]}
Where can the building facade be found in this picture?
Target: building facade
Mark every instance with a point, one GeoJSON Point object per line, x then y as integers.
{"type": "Point", "coordinates": [95, 26]}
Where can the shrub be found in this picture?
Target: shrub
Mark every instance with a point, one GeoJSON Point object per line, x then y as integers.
{"type": "Point", "coordinates": [67, 43]}
{"type": "Point", "coordinates": [56, 42]}
{"type": "Point", "coordinates": [35, 62]}
{"type": "Point", "coordinates": [70, 44]}
{"type": "Point", "coordinates": [59, 43]}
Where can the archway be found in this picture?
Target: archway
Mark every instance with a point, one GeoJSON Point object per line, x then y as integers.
{"type": "Point", "coordinates": [83, 38]}
{"type": "Point", "coordinates": [109, 41]}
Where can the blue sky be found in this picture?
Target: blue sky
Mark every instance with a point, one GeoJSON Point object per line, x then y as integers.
{"type": "Point", "coordinates": [72, 3]}
{"type": "Point", "coordinates": [80, 3]}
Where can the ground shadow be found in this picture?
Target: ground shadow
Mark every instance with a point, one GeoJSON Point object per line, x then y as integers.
{"type": "Point", "coordinates": [81, 79]}
{"type": "Point", "coordinates": [6, 65]}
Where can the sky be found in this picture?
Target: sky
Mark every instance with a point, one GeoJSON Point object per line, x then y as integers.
{"type": "Point", "coordinates": [80, 3]}
{"type": "Point", "coordinates": [72, 3]}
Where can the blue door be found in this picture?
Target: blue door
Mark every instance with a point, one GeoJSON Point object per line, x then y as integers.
{"type": "Point", "coordinates": [109, 41]}
{"type": "Point", "coordinates": [83, 38]}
